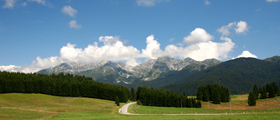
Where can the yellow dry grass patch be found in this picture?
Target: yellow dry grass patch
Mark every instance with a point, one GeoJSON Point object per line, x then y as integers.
{"type": "Point", "coordinates": [241, 103]}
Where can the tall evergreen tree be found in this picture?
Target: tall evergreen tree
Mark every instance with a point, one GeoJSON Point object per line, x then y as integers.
{"type": "Point", "coordinates": [275, 87]}
{"type": "Point", "coordinates": [216, 95]}
{"type": "Point", "coordinates": [264, 93]}
{"type": "Point", "coordinates": [256, 92]}
{"type": "Point", "coordinates": [251, 99]}
{"type": "Point", "coordinates": [133, 94]}
{"type": "Point", "coordinates": [199, 93]}
{"type": "Point", "coordinates": [117, 102]}
{"type": "Point", "coordinates": [270, 90]}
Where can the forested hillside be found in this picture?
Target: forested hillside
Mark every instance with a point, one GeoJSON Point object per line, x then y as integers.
{"type": "Point", "coordinates": [61, 85]}
{"type": "Point", "coordinates": [239, 75]}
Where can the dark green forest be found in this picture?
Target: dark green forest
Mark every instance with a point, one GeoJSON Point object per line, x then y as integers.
{"type": "Point", "coordinates": [214, 93]}
{"type": "Point", "coordinates": [267, 91]}
{"type": "Point", "coordinates": [238, 75]}
{"type": "Point", "coordinates": [61, 85]}
{"type": "Point", "coordinates": [162, 98]}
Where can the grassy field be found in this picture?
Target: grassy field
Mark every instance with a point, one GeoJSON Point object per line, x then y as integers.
{"type": "Point", "coordinates": [238, 105]}
{"type": "Point", "coordinates": [38, 106]}
{"type": "Point", "coordinates": [103, 116]}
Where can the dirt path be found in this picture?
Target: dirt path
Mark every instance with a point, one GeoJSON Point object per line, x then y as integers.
{"type": "Point", "coordinates": [123, 110]}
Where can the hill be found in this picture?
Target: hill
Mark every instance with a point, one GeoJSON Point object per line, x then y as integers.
{"type": "Point", "coordinates": [239, 75]}
{"type": "Point", "coordinates": [16, 106]}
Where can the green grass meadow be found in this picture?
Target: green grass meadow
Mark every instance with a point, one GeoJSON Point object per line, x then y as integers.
{"type": "Point", "coordinates": [104, 116]}
{"type": "Point", "coordinates": [39, 106]}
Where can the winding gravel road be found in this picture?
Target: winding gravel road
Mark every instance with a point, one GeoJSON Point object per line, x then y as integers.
{"type": "Point", "coordinates": [123, 110]}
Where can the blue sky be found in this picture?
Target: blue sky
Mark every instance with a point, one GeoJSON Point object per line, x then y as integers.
{"type": "Point", "coordinates": [37, 34]}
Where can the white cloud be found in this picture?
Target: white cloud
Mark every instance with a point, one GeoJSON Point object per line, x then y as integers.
{"type": "Point", "coordinates": [242, 27]}
{"type": "Point", "coordinates": [258, 9]}
{"type": "Point", "coordinates": [148, 2]}
{"type": "Point", "coordinates": [68, 10]}
{"type": "Point", "coordinates": [43, 2]}
{"type": "Point", "coordinates": [198, 35]}
{"type": "Point", "coordinates": [225, 29]}
{"type": "Point", "coordinates": [113, 49]}
{"type": "Point", "coordinates": [9, 3]}
{"type": "Point", "coordinates": [272, 0]}
{"type": "Point", "coordinates": [132, 62]}
{"type": "Point", "coordinates": [207, 2]}
{"type": "Point", "coordinates": [246, 54]}
{"type": "Point", "coordinates": [47, 62]}
{"type": "Point", "coordinates": [73, 24]}
{"type": "Point", "coordinates": [24, 68]}
{"type": "Point", "coordinates": [153, 48]}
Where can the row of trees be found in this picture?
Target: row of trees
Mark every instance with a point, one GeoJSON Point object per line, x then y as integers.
{"type": "Point", "coordinates": [158, 97]}
{"type": "Point", "coordinates": [61, 85]}
{"type": "Point", "coordinates": [267, 91]}
{"type": "Point", "coordinates": [214, 93]}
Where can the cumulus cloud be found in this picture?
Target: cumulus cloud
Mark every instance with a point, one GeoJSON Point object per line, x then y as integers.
{"type": "Point", "coordinates": [68, 10]}
{"type": "Point", "coordinates": [272, 0]}
{"type": "Point", "coordinates": [24, 68]}
{"type": "Point", "coordinates": [148, 3]}
{"type": "Point", "coordinates": [43, 2]}
{"type": "Point", "coordinates": [9, 4]}
{"type": "Point", "coordinates": [242, 27]}
{"type": "Point", "coordinates": [152, 49]}
{"type": "Point", "coordinates": [246, 54]}
{"type": "Point", "coordinates": [207, 2]}
{"type": "Point", "coordinates": [132, 62]}
{"type": "Point", "coordinates": [198, 35]}
{"type": "Point", "coordinates": [225, 29]}
{"type": "Point", "coordinates": [113, 49]}
{"type": "Point", "coordinates": [200, 47]}
{"type": "Point", "coordinates": [73, 24]}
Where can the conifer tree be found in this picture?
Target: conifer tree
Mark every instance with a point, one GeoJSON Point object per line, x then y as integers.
{"type": "Point", "coordinates": [263, 93]}
{"type": "Point", "coordinates": [199, 93]}
{"type": "Point", "coordinates": [256, 92]}
{"type": "Point", "coordinates": [117, 101]}
{"type": "Point", "coordinates": [251, 99]}
{"type": "Point", "coordinates": [133, 94]}
{"type": "Point", "coordinates": [275, 87]}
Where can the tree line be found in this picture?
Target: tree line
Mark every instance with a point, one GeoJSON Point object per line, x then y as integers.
{"type": "Point", "coordinates": [61, 85]}
{"type": "Point", "coordinates": [214, 93]}
{"type": "Point", "coordinates": [267, 91]}
{"type": "Point", "coordinates": [163, 98]}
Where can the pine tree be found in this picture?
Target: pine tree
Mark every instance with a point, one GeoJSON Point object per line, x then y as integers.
{"type": "Point", "coordinates": [263, 93]}
{"type": "Point", "coordinates": [133, 94]}
{"type": "Point", "coordinates": [270, 91]}
{"type": "Point", "coordinates": [275, 87]}
{"type": "Point", "coordinates": [199, 93]}
{"type": "Point", "coordinates": [256, 92]}
{"type": "Point", "coordinates": [117, 102]}
{"type": "Point", "coordinates": [251, 99]}
{"type": "Point", "coordinates": [216, 95]}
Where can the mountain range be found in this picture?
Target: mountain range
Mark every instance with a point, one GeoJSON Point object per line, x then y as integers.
{"type": "Point", "coordinates": [239, 75]}
{"type": "Point", "coordinates": [120, 73]}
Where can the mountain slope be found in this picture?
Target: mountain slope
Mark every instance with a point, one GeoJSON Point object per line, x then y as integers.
{"type": "Point", "coordinates": [120, 73]}
{"type": "Point", "coordinates": [173, 76]}
{"type": "Point", "coordinates": [238, 75]}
